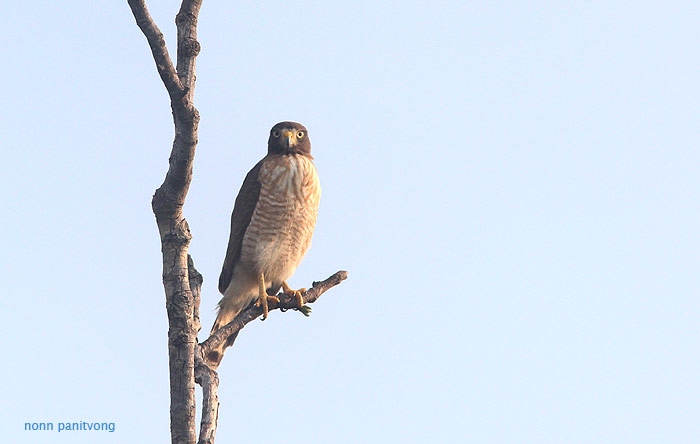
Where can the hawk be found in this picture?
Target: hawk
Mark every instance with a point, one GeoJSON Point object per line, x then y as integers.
{"type": "Point", "coordinates": [271, 227]}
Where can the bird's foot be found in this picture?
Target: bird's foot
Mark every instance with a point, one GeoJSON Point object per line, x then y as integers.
{"type": "Point", "coordinates": [305, 310]}
{"type": "Point", "coordinates": [263, 298]}
{"type": "Point", "coordinates": [297, 295]}
{"type": "Point", "coordinates": [298, 298]}
{"type": "Point", "coordinates": [265, 301]}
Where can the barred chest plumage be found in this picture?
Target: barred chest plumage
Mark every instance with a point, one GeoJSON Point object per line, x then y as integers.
{"type": "Point", "coordinates": [280, 230]}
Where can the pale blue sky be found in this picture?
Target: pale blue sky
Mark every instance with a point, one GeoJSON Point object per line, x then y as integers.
{"type": "Point", "coordinates": [512, 186]}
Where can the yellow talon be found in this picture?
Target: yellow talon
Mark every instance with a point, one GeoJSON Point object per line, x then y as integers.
{"type": "Point", "coordinates": [296, 294]}
{"type": "Point", "coordinates": [262, 296]}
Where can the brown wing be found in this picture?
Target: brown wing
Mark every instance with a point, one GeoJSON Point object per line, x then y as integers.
{"type": "Point", "coordinates": [240, 219]}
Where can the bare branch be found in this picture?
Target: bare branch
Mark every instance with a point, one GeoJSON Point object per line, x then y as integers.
{"type": "Point", "coordinates": [187, 45]}
{"type": "Point", "coordinates": [156, 41]}
{"type": "Point", "coordinates": [317, 289]}
{"type": "Point", "coordinates": [203, 375]}
{"type": "Point", "coordinates": [209, 380]}
{"type": "Point", "coordinates": [196, 280]}
{"type": "Point", "coordinates": [286, 302]}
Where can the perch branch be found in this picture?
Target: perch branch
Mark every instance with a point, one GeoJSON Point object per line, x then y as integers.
{"type": "Point", "coordinates": [286, 302]}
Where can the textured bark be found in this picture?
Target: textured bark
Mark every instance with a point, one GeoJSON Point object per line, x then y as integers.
{"type": "Point", "coordinates": [182, 282]}
{"type": "Point", "coordinates": [167, 205]}
{"type": "Point", "coordinates": [204, 376]}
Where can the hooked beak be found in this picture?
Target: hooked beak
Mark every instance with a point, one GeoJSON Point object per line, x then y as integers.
{"type": "Point", "coordinates": [289, 138]}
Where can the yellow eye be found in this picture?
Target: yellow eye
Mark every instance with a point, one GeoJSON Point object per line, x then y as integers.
{"type": "Point", "coordinates": [300, 135]}
{"type": "Point", "coordinates": [275, 133]}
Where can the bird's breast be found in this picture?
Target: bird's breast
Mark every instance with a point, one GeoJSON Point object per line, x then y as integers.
{"type": "Point", "coordinates": [280, 230]}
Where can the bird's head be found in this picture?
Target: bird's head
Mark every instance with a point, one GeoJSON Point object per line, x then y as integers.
{"type": "Point", "coordinates": [289, 138]}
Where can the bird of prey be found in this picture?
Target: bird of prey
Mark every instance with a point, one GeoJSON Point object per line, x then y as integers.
{"type": "Point", "coordinates": [271, 227]}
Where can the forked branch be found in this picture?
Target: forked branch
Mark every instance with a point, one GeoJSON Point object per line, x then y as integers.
{"type": "Point", "coordinates": [156, 41]}
{"type": "Point", "coordinates": [167, 206]}
{"type": "Point", "coordinates": [181, 280]}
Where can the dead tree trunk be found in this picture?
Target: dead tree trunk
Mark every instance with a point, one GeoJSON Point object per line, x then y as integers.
{"type": "Point", "coordinates": [181, 280]}
{"type": "Point", "coordinates": [167, 205]}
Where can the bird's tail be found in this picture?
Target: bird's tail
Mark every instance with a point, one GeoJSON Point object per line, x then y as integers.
{"type": "Point", "coordinates": [213, 358]}
{"type": "Point", "coordinates": [226, 314]}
